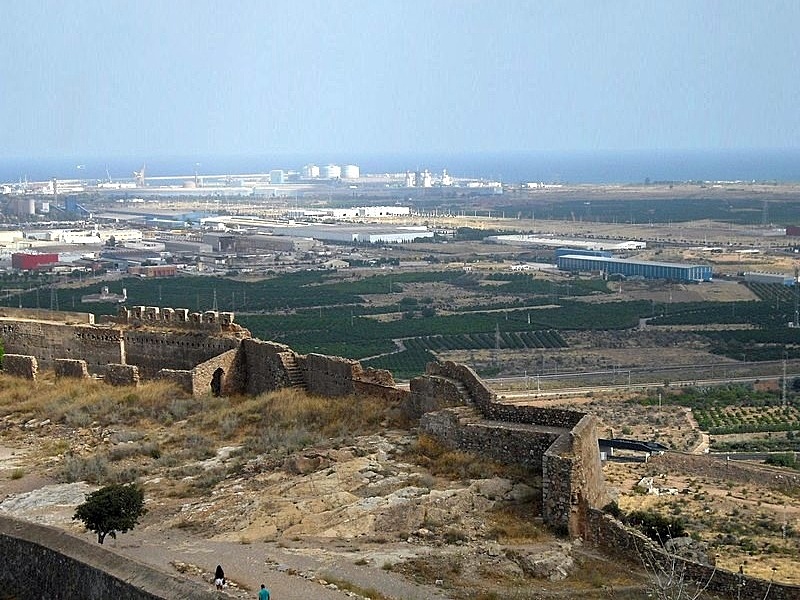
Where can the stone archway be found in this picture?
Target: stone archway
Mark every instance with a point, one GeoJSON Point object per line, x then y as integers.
{"type": "Point", "coordinates": [216, 382]}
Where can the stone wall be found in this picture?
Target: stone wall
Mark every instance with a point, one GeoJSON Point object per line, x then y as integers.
{"type": "Point", "coordinates": [606, 532]}
{"type": "Point", "coordinates": [562, 444]}
{"type": "Point", "coordinates": [432, 393]}
{"type": "Point", "coordinates": [329, 375]}
{"type": "Point", "coordinates": [463, 428]}
{"type": "Point", "coordinates": [67, 367]}
{"type": "Point", "coordinates": [153, 350]}
{"type": "Point", "coordinates": [479, 392]}
{"type": "Point", "coordinates": [122, 375]}
{"type": "Point", "coordinates": [43, 562]}
{"type": "Point", "coordinates": [214, 376]}
{"type": "Point", "coordinates": [181, 378]}
{"type": "Point", "coordinates": [19, 365]}
{"type": "Point", "coordinates": [48, 341]}
{"type": "Point", "coordinates": [572, 478]}
{"type": "Point", "coordinates": [264, 365]}
{"type": "Point", "coordinates": [41, 314]}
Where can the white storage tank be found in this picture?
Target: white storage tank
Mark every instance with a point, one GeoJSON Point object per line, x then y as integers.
{"type": "Point", "coordinates": [351, 172]}
{"type": "Point", "coordinates": [330, 172]}
{"type": "Point", "coordinates": [310, 171]}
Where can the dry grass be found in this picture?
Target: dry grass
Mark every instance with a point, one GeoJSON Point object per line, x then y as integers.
{"type": "Point", "coordinates": [515, 524]}
{"type": "Point", "coordinates": [105, 434]}
{"type": "Point", "coordinates": [445, 462]}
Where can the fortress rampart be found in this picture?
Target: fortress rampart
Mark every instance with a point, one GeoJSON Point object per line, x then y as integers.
{"type": "Point", "coordinates": [43, 562]}
{"type": "Point", "coordinates": [560, 444]}
{"type": "Point", "coordinates": [606, 532]}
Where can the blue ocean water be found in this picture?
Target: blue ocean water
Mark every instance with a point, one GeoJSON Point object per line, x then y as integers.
{"type": "Point", "coordinates": [508, 167]}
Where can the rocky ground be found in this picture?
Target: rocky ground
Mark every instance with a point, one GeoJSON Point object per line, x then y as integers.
{"type": "Point", "coordinates": [359, 520]}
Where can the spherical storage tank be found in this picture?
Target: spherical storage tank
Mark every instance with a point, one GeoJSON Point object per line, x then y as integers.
{"type": "Point", "coordinates": [330, 172]}
{"type": "Point", "coordinates": [351, 172]}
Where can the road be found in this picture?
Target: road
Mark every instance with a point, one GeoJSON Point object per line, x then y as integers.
{"type": "Point", "coordinates": [523, 395]}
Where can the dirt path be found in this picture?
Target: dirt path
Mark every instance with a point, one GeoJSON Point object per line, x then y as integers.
{"type": "Point", "coordinates": [288, 573]}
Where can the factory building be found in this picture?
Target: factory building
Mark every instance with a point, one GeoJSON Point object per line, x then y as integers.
{"type": "Point", "coordinates": [755, 277]}
{"type": "Point", "coordinates": [533, 240]}
{"type": "Point", "coordinates": [29, 262]}
{"type": "Point", "coordinates": [634, 268]}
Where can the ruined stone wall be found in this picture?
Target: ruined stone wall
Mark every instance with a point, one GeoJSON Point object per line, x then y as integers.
{"type": "Point", "coordinates": [534, 415]}
{"type": "Point", "coordinates": [122, 375]}
{"type": "Point", "coordinates": [47, 341]}
{"type": "Point", "coordinates": [44, 562]}
{"type": "Point", "coordinates": [479, 393]}
{"type": "Point", "coordinates": [67, 367]}
{"type": "Point", "coordinates": [462, 428]}
{"type": "Point", "coordinates": [19, 365]}
{"type": "Point", "coordinates": [203, 375]}
{"type": "Point", "coordinates": [432, 393]}
{"type": "Point", "coordinates": [329, 375]}
{"type": "Point", "coordinates": [181, 378]}
{"type": "Point", "coordinates": [41, 314]}
{"type": "Point", "coordinates": [152, 351]}
{"type": "Point", "coordinates": [606, 532]}
{"type": "Point", "coordinates": [383, 392]}
{"type": "Point", "coordinates": [572, 478]}
{"type": "Point", "coordinates": [264, 365]}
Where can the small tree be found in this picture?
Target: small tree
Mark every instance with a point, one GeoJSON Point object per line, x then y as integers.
{"type": "Point", "coordinates": [112, 508]}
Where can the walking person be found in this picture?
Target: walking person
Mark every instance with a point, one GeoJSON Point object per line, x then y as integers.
{"type": "Point", "coordinates": [219, 577]}
{"type": "Point", "coordinates": [263, 594]}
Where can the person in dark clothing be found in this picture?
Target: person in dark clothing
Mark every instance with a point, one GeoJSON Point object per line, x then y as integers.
{"type": "Point", "coordinates": [219, 577]}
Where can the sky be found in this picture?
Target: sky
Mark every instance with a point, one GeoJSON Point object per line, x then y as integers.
{"type": "Point", "coordinates": [117, 78]}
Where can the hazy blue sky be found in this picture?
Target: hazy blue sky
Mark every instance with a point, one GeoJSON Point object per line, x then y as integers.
{"type": "Point", "coordinates": [113, 78]}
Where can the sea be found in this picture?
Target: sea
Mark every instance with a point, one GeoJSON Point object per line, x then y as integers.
{"type": "Point", "coordinates": [598, 167]}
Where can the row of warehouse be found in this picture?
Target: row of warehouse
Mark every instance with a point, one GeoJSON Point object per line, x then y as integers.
{"type": "Point", "coordinates": [634, 268]}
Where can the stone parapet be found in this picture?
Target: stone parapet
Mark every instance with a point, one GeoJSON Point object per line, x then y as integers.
{"type": "Point", "coordinates": [44, 562]}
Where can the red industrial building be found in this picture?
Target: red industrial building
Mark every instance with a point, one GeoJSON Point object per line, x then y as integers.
{"type": "Point", "coordinates": [30, 262]}
{"type": "Point", "coordinates": [793, 230]}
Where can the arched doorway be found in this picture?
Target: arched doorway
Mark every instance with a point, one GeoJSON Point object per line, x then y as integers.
{"type": "Point", "coordinates": [216, 382]}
